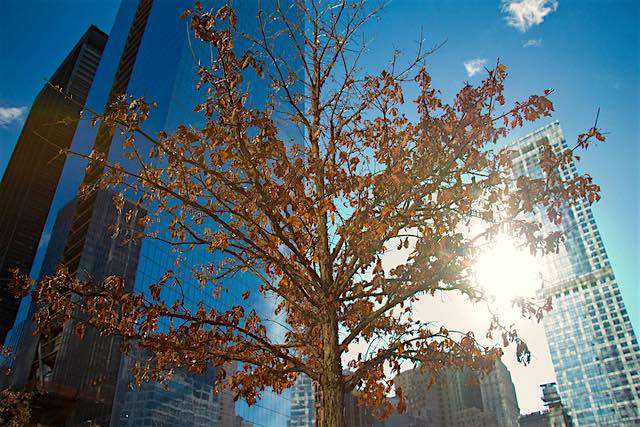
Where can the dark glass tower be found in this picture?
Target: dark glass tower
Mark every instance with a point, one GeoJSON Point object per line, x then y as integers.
{"type": "Point", "coordinates": [30, 180]}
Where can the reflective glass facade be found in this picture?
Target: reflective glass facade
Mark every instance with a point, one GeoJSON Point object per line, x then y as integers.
{"type": "Point", "coordinates": [152, 54]}
{"type": "Point", "coordinates": [187, 400]}
{"type": "Point", "coordinates": [593, 347]}
{"type": "Point", "coordinates": [77, 376]}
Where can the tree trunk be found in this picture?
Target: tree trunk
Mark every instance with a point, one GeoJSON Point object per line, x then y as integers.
{"type": "Point", "coordinates": [331, 412]}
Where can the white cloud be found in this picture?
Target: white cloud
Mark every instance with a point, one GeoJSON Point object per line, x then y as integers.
{"type": "Point", "coordinates": [474, 66]}
{"type": "Point", "coordinates": [524, 14]}
{"type": "Point", "coordinates": [11, 114]}
{"type": "Point", "coordinates": [532, 43]}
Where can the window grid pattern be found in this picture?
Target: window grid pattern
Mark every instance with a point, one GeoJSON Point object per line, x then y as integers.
{"type": "Point", "coordinates": [593, 347]}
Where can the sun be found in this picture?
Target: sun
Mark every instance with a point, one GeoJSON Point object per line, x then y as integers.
{"type": "Point", "coordinates": [506, 271]}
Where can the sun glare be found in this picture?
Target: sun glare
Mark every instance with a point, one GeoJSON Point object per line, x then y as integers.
{"type": "Point", "coordinates": [506, 271]}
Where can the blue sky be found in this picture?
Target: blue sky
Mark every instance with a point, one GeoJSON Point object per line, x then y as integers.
{"type": "Point", "coordinates": [35, 37]}
{"type": "Point", "coordinates": [588, 51]}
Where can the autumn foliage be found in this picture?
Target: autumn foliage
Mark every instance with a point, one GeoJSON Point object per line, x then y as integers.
{"type": "Point", "coordinates": [14, 408]}
{"type": "Point", "coordinates": [311, 217]}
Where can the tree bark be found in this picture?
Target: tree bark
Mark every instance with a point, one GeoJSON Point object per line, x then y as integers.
{"type": "Point", "coordinates": [331, 383]}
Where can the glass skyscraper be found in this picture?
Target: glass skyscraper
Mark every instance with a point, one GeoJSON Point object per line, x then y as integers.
{"type": "Point", "coordinates": [151, 53]}
{"type": "Point", "coordinates": [77, 377]}
{"type": "Point", "coordinates": [29, 182]}
{"type": "Point", "coordinates": [593, 347]}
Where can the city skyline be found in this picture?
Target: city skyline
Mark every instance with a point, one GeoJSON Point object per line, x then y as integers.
{"type": "Point", "coordinates": [531, 39]}
{"type": "Point", "coordinates": [611, 83]}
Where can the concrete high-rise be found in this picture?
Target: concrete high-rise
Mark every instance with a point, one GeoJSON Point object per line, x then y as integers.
{"type": "Point", "coordinates": [534, 419]}
{"type": "Point", "coordinates": [306, 412]}
{"type": "Point", "coordinates": [593, 347]}
{"type": "Point", "coordinates": [31, 177]}
{"type": "Point", "coordinates": [461, 398]}
{"type": "Point", "coordinates": [499, 396]}
{"type": "Point", "coordinates": [423, 398]}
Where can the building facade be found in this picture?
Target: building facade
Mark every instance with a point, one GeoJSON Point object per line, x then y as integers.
{"type": "Point", "coordinates": [460, 398]}
{"type": "Point", "coordinates": [306, 412]}
{"type": "Point", "coordinates": [424, 398]}
{"type": "Point", "coordinates": [185, 400]}
{"type": "Point", "coordinates": [499, 396]}
{"type": "Point", "coordinates": [593, 347]}
{"type": "Point", "coordinates": [303, 408]}
{"type": "Point", "coordinates": [534, 419]}
{"type": "Point", "coordinates": [357, 415]}
{"type": "Point", "coordinates": [152, 54]}
{"type": "Point", "coordinates": [554, 416]}
{"type": "Point", "coordinates": [31, 177]}
{"type": "Point", "coordinates": [558, 416]}
{"type": "Point", "coordinates": [77, 376]}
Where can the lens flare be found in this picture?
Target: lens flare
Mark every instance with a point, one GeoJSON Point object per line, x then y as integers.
{"type": "Point", "coordinates": [506, 271]}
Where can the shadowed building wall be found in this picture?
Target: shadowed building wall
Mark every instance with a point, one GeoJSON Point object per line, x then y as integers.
{"type": "Point", "coordinates": [30, 180]}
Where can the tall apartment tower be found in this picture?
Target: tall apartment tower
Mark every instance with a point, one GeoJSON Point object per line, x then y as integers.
{"type": "Point", "coordinates": [459, 398]}
{"type": "Point", "coordinates": [30, 180]}
{"type": "Point", "coordinates": [593, 347]}
{"type": "Point", "coordinates": [150, 54]}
